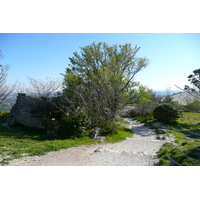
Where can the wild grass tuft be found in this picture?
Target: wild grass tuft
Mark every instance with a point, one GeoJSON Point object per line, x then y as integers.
{"type": "Point", "coordinates": [120, 136]}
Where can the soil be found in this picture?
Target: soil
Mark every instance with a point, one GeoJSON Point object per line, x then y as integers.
{"type": "Point", "coordinates": [140, 150]}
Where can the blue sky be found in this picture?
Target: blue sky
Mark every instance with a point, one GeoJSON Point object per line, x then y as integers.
{"type": "Point", "coordinates": [173, 56]}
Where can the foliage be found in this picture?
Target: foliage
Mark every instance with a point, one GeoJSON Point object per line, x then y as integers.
{"type": "Point", "coordinates": [108, 127]}
{"type": "Point", "coordinates": [177, 105]}
{"type": "Point", "coordinates": [146, 104]}
{"type": "Point", "coordinates": [193, 106]}
{"type": "Point", "coordinates": [167, 99]}
{"type": "Point", "coordinates": [20, 141]}
{"type": "Point", "coordinates": [186, 150]}
{"type": "Point", "coordinates": [165, 113]}
{"type": "Point", "coordinates": [3, 115]}
{"type": "Point", "coordinates": [194, 80]}
{"type": "Point", "coordinates": [99, 80]}
{"type": "Point", "coordinates": [71, 125]}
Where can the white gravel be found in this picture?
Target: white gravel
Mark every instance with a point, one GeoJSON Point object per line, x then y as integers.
{"type": "Point", "coordinates": [140, 150]}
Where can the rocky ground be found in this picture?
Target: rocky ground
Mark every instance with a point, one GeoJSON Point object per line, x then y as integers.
{"type": "Point", "coordinates": [140, 150]}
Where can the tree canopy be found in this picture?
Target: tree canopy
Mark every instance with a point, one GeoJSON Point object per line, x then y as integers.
{"type": "Point", "coordinates": [99, 79]}
{"type": "Point", "coordinates": [194, 80]}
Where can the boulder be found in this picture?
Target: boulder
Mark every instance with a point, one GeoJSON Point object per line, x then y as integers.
{"type": "Point", "coordinates": [161, 131]}
{"type": "Point", "coordinates": [28, 111]}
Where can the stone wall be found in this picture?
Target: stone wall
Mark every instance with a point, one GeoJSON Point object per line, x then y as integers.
{"type": "Point", "coordinates": [28, 111]}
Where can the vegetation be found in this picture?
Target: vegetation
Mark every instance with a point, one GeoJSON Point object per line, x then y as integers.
{"type": "Point", "coordinates": [20, 141]}
{"type": "Point", "coordinates": [121, 135]}
{"type": "Point", "coordinates": [185, 150]}
{"type": "Point", "coordinates": [5, 90]}
{"type": "Point", "coordinates": [145, 100]}
{"type": "Point", "coordinates": [194, 80]}
{"type": "Point", "coordinates": [165, 113]}
{"type": "Point", "coordinates": [193, 106]}
{"type": "Point", "coordinates": [99, 82]}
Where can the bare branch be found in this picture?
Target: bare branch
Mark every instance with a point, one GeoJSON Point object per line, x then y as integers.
{"type": "Point", "coordinates": [41, 88]}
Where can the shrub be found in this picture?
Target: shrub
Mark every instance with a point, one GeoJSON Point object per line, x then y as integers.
{"type": "Point", "coordinates": [165, 113]}
{"type": "Point", "coordinates": [71, 125]}
{"type": "Point", "coordinates": [4, 115]}
{"type": "Point", "coordinates": [193, 106]}
{"type": "Point", "coordinates": [109, 127]}
{"type": "Point", "coordinates": [177, 105]}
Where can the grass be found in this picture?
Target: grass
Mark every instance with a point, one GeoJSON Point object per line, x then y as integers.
{"type": "Point", "coordinates": [145, 119]}
{"type": "Point", "coordinates": [186, 149]}
{"type": "Point", "coordinates": [122, 135]}
{"type": "Point", "coordinates": [22, 141]}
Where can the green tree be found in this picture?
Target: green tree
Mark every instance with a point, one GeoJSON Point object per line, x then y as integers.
{"type": "Point", "coordinates": [194, 80]}
{"type": "Point", "coordinates": [144, 100]}
{"type": "Point", "coordinates": [99, 80]}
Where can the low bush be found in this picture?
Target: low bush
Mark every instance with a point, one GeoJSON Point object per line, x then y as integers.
{"type": "Point", "coordinates": [109, 127]}
{"type": "Point", "coordinates": [177, 105]}
{"type": "Point", "coordinates": [165, 113]}
{"type": "Point", "coordinates": [70, 125]}
{"type": "Point", "coordinates": [193, 106]}
{"type": "Point", "coordinates": [4, 115]}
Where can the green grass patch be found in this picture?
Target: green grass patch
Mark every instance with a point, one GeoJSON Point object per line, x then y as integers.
{"type": "Point", "coordinates": [184, 154]}
{"type": "Point", "coordinates": [144, 119]}
{"type": "Point", "coordinates": [187, 121]}
{"type": "Point", "coordinates": [186, 150]}
{"type": "Point", "coordinates": [120, 136]}
{"type": "Point", "coordinates": [22, 141]}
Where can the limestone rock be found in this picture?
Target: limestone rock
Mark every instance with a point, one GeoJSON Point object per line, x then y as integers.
{"type": "Point", "coordinates": [28, 111]}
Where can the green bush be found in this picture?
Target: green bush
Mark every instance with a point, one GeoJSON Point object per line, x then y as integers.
{"type": "Point", "coordinates": [177, 105]}
{"type": "Point", "coordinates": [4, 115]}
{"type": "Point", "coordinates": [193, 106]}
{"type": "Point", "coordinates": [165, 113]}
{"type": "Point", "coordinates": [70, 126]}
{"type": "Point", "coordinates": [109, 127]}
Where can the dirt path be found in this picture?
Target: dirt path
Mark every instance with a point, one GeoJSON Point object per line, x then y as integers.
{"type": "Point", "coordinates": [137, 151]}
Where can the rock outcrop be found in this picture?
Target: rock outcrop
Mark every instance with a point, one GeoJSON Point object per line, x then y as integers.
{"type": "Point", "coordinates": [184, 97]}
{"type": "Point", "coordinates": [28, 111]}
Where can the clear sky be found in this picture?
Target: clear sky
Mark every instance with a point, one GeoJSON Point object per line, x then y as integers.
{"type": "Point", "coordinates": [173, 56]}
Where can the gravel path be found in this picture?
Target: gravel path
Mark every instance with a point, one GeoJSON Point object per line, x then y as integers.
{"type": "Point", "coordinates": [137, 151]}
